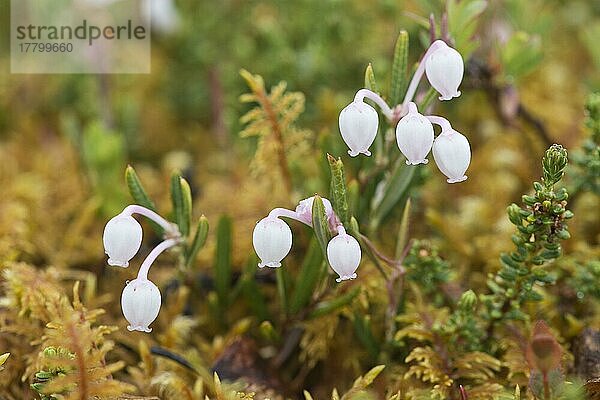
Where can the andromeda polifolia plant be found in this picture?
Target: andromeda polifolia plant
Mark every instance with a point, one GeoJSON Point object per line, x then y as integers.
{"type": "Point", "coordinates": [272, 237]}
{"type": "Point", "coordinates": [359, 122]}
{"type": "Point", "coordinates": [141, 298]}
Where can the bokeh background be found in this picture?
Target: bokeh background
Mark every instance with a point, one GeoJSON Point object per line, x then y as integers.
{"type": "Point", "coordinates": [65, 141]}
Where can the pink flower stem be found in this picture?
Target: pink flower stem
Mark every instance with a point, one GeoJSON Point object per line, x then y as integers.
{"type": "Point", "coordinates": [164, 245]}
{"type": "Point", "coordinates": [169, 227]}
{"type": "Point", "coordinates": [443, 122]}
{"type": "Point", "coordinates": [385, 109]}
{"type": "Point", "coordinates": [414, 83]}
{"type": "Point", "coordinates": [284, 212]}
{"type": "Point", "coordinates": [412, 108]}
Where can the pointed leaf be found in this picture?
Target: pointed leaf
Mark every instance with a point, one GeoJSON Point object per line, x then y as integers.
{"type": "Point", "coordinates": [140, 196]}
{"type": "Point", "coordinates": [370, 82]}
{"type": "Point", "coordinates": [137, 190]}
{"type": "Point", "coordinates": [320, 225]}
{"type": "Point", "coordinates": [223, 261]}
{"type": "Point", "coordinates": [3, 358]}
{"type": "Point", "coordinates": [399, 68]}
{"type": "Point", "coordinates": [177, 201]}
{"type": "Point", "coordinates": [353, 194]}
{"type": "Point", "coordinates": [329, 306]}
{"type": "Point", "coordinates": [429, 97]}
{"type": "Point", "coordinates": [339, 195]}
{"type": "Point", "coordinates": [402, 241]}
{"type": "Point", "coordinates": [312, 269]}
{"type": "Point", "coordinates": [199, 241]}
{"type": "Point", "coordinates": [187, 206]}
{"type": "Point", "coordinates": [362, 329]}
{"type": "Point", "coordinates": [252, 293]}
{"type": "Point", "coordinates": [282, 289]}
{"type": "Point", "coordinates": [371, 375]}
{"type": "Point", "coordinates": [396, 186]}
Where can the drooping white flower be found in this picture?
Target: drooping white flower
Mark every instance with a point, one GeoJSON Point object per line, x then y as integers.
{"type": "Point", "coordinates": [452, 154]}
{"type": "Point", "coordinates": [344, 254]}
{"type": "Point", "coordinates": [140, 303]}
{"type": "Point", "coordinates": [272, 240]}
{"type": "Point", "coordinates": [358, 125]}
{"type": "Point", "coordinates": [122, 239]}
{"type": "Point", "coordinates": [445, 68]}
{"type": "Point", "coordinates": [414, 135]}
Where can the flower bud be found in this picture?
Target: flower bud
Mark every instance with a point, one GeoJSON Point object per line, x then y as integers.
{"type": "Point", "coordinates": [272, 239]}
{"type": "Point", "coordinates": [444, 68]}
{"type": "Point", "coordinates": [358, 126]}
{"type": "Point", "coordinates": [140, 303]}
{"type": "Point", "coordinates": [468, 301]}
{"type": "Point", "coordinates": [452, 154]}
{"type": "Point", "coordinates": [304, 211]}
{"type": "Point", "coordinates": [122, 239]}
{"type": "Point", "coordinates": [343, 253]}
{"type": "Point", "coordinates": [414, 135]}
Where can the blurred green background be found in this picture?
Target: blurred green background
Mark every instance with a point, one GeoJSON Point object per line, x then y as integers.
{"type": "Point", "coordinates": [65, 140]}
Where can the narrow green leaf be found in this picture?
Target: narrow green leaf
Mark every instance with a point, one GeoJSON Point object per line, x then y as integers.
{"type": "Point", "coordinates": [402, 241]}
{"type": "Point", "coordinates": [177, 201]}
{"type": "Point", "coordinates": [187, 206]}
{"type": "Point", "coordinates": [252, 293]}
{"type": "Point", "coordinates": [223, 261]}
{"type": "Point", "coordinates": [320, 225]}
{"type": "Point", "coordinates": [137, 190]}
{"type": "Point", "coordinates": [396, 187]}
{"type": "Point", "coordinates": [362, 329]}
{"type": "Point", "coordinates": [429, 97]}
{"type": "Point", "coordinates": [307, 280]}
{"type": "Point", "coordinates": [198, 242]}
{"type": "Point", "coordinates": [329, 306]}
{"type": "Point", "coordinates": [399, 68]}
{"type": "Point", "coordinates": [353, 194]}
{"type": "Point", "coordinates": [463, 21]}
{"type": "Point", "coordinates": [339, 195]}
{"type": "Point", "coordinates": [140, 196]}
{"type": "Point", "coordinates": [370, 82]}
{"type": "Point", "coordinates": [307, 395]}
{"type": "Point", "coordinates": [282, 289]}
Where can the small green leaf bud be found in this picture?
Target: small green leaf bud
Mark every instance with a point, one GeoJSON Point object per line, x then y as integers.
{"type": "Point", "coordinates": [468, 301]}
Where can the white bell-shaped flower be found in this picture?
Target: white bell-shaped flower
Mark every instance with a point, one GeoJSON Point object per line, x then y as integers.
{"type": "Point", "coordinates": [445, 68]}
{"type": "Point", "coordinates": [140, 303]}
{"type": "Point", "coordinates": [343, 254]}
{"type": "Point", "coordinates": [358, 126]}
{"type": "Point", "coordinates": [414, 135]}
{"type": "Point", "coordinates": [452, 154]}
{"type": "Point", "coordinates": [272, 239]}
{"type": "Point", "coordinates": [122, 239]}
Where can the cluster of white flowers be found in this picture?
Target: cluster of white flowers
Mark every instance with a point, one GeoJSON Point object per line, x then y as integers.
{"type": "Point", "coordinates": [359, 121]}
{"type": "Point", "coordinates": [272, 236]}
{"type": "Point", "coordinates": [122, 239]}
{"type": "Point", "coordinates": [272, 239]}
